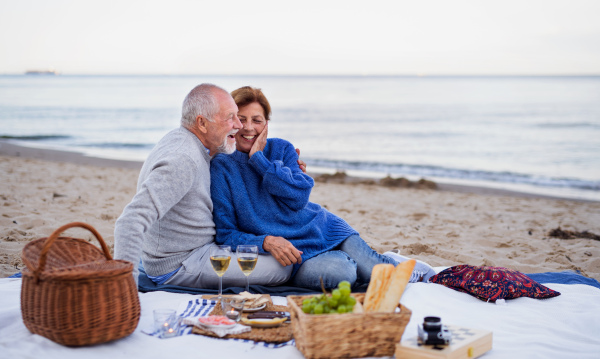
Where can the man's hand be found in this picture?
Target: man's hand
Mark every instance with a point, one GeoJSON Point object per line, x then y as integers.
{"type": "Point", "coordinates": [261, 141]}
{"type": "Point", "coordinates": [301, 163]}
{"type": "Point", "coordinates": [282, 250]}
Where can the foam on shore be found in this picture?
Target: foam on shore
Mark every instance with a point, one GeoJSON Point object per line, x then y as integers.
{"type": "Point", "coordinates": [12, 149]}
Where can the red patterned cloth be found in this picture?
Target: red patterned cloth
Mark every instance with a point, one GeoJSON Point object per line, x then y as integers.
{"type": "Point", "coordinates": [492, 283]}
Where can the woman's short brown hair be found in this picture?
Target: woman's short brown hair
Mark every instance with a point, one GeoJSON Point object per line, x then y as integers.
{"type": "Point", "coordinates": [247, 95]}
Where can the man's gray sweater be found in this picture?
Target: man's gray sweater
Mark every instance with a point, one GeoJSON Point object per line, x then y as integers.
{"type": "Point", "coordinates": [171, 214]}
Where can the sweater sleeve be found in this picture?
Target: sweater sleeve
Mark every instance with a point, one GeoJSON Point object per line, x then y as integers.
{"type": "Point", "coordinates": [164, 187]}
{"type": "Point", "coordinates": [284, 179]}
{"type": "Point", "coordinates": [224, 212]}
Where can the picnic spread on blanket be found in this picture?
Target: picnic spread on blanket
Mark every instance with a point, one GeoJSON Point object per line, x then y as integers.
{"type": "Point", "coordinates": [76, 295]}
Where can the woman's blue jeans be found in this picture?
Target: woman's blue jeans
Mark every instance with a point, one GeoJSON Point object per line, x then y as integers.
{"type": "Point", "coordinates": [353, 260]}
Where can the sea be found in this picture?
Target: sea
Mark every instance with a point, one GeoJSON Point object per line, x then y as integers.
{"type": "Point", "coordinates": [532, 134]}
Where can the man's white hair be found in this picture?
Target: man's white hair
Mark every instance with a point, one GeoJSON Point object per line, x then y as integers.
{"type": "Point", "coordinates": [202, 101]}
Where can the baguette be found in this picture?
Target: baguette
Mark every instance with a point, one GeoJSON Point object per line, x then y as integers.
{"type": "Point", "coordinates": [396, 286]}
{"type": "Point", "coordinates": [358, 308]}
{"type": "Point", "coordinates": [377, 286]}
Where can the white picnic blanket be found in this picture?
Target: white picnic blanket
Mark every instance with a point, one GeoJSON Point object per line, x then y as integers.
{"type": "Point", "coordinates": [567, 326]}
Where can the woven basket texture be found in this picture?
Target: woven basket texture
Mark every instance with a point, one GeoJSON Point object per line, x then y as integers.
{"type": "Point", "coordinates": [349, 335]}
{"type": "Point", "coordinates": [74, 293]}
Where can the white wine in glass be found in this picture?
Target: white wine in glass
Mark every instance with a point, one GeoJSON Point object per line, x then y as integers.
{"type": "Point", "coordinates": [220, 256]}
{"type": "Point", "coordinates": [247, 256]}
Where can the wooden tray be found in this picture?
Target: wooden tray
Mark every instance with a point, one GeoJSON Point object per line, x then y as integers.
{"type": "Point", "coordinates": [277, 335]}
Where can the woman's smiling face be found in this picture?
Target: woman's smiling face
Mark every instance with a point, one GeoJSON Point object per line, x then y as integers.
{"type": "Point", "coordinates": [252, 117]}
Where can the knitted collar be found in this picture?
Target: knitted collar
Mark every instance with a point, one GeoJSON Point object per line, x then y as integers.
{"type": "Point", "coordinates": [241, 157]}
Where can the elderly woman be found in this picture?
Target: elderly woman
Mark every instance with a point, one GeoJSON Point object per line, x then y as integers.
{"type": "Point", "coordinates": [261, 197]}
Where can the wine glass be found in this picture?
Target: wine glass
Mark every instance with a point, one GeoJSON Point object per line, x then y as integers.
{"type": "Point", "coordinates": [220, 256]}
{"type": "Point", "coordinates": [247, 256]}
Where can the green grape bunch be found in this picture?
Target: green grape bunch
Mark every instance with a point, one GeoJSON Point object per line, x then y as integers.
{"type": "Point", "coordinates": [340, 301]}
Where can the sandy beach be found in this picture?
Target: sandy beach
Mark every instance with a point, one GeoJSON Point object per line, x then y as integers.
{"type": "Point", "coordinates": [42, 190]}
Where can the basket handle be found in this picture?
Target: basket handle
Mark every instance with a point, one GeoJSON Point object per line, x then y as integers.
{"type": "Point", "coordinates": [55, 235]}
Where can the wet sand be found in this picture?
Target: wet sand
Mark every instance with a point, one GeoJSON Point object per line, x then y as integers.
{"type": "Point", "coordinates": [449, 225]}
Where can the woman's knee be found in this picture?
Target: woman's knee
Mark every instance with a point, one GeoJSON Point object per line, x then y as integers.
{"type": "Point", "coordinates": [332, 267]}
{"type": "Point", "coordinates": [332, 279]}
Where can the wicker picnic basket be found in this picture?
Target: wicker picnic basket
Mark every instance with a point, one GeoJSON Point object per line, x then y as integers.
{"type": "Point", "coordinates": [75, 294]}
{"type": "Point", "coordinates": [350, 335]}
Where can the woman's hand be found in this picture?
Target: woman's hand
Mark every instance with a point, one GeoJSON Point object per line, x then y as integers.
{"type": "Point", "coordinates": [282, 250]}
{"type": "Point", "coordinates": [261, 141]}
{"type": "Point", "coordinates": [301, 163]}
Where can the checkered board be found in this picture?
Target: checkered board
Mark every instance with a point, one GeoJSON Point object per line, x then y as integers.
{"type": "Point", "coordinates": [466, 343]}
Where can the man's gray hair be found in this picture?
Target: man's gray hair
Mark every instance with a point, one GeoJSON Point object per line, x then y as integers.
{"type": "Point", "coordinates": [202, 101]}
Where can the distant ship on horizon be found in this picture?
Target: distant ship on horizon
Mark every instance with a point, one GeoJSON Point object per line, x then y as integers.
{"type": "Point", "coordinates": [41, 72]}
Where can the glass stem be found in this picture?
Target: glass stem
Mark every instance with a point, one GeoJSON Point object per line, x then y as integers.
{"type": "Point", "coordinates": [247, 284]}
{"type": "Point", "coordinates": [220, 287]}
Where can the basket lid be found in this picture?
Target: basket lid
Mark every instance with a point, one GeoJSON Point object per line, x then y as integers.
{"type": "Point", "coordinates": [65, 252]}
{"type": "Point", "coordinates": [96, 270]}
{"type": "Point", "coordinates": [71, 258]}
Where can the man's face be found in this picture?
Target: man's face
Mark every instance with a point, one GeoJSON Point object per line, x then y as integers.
{"type": "Point", "coordinates": [221, 132]}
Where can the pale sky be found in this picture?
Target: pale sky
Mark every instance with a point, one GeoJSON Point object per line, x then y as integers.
{"type": "Point", "coordinates": [445, 37]}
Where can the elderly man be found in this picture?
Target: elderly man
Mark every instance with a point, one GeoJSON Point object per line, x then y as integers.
{"type": "Point", "coordinates": [169, 222]}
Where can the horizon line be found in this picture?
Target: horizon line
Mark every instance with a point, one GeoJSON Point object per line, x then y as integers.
{"type": "Point", "coordinates": [58, 73]}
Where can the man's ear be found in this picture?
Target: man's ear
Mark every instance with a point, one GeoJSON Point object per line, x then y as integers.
{"type": "Point", "coordinates": [202, 123]}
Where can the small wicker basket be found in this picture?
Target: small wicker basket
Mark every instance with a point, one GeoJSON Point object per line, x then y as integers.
{"type": "Point", "coordinates": [350, 335]}
{"type": "Point", "coordinates": [75, 294]}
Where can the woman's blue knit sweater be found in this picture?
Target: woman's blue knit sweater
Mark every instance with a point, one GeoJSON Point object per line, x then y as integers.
{"type": "Point", "coordinates": [268, 194]}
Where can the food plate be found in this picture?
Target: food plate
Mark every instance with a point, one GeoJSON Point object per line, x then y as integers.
{"type": "Point", "coordinates": [216, 322]}
{"type": "Point", "coordinates": [263, 323]}
{"type": "Point", "coordinates": [249, 310]}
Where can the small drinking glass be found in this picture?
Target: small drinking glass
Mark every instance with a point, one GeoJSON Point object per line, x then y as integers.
{"type": "Point", "coordinates": [247, 256]}
{"type": "Point", "coordinates": [233, 308]}
{"type": "Point", "coordinates": [220, 256]}
{"type": "Point", "coordinates": [166, 322]}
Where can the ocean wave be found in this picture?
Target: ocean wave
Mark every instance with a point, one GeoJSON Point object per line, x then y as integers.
{"type": "Point", "coordinates": [568, 125]}
{"type": "Point", "coordinates": [35, 137]}
{"type": "Point", "coordinates": [119, 145]}
{"type": "Point", "coordinates": [454, 173]}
